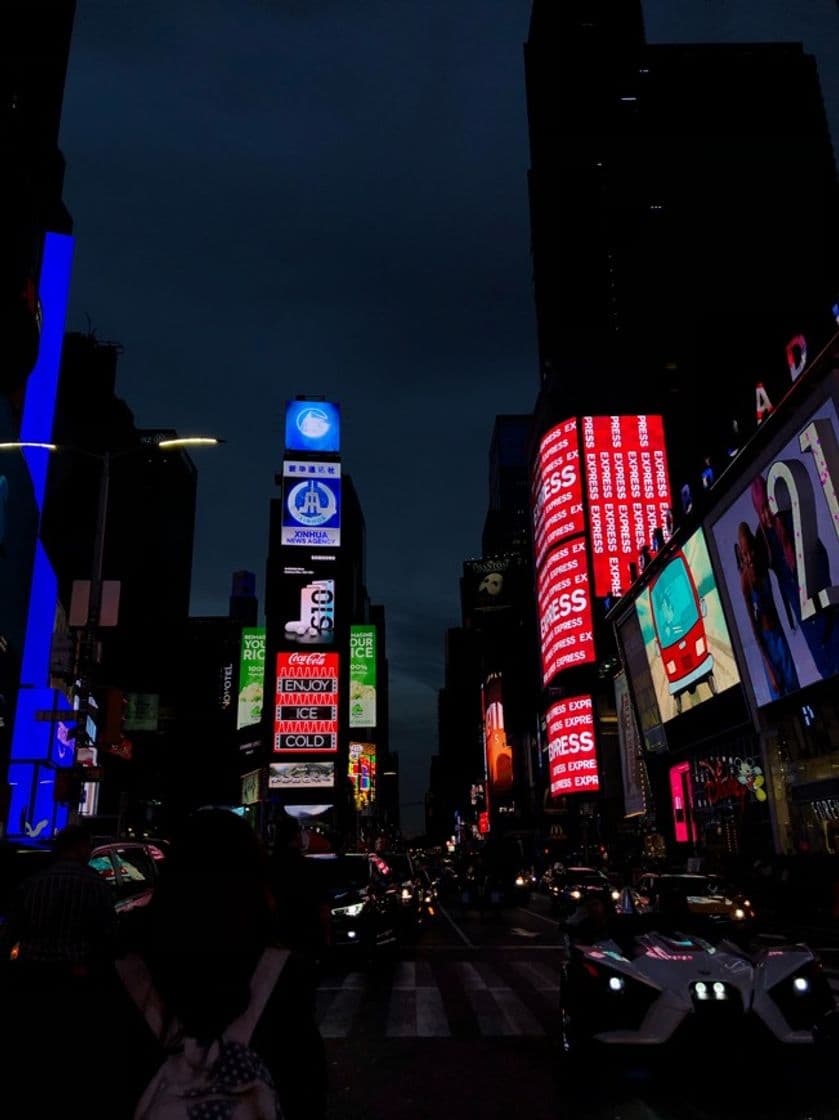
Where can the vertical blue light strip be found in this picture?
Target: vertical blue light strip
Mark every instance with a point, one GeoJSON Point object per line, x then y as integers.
{"type": "Point", "coordinates": [42, 387]}
{"type": "Point", "coordinates": [33, 785]}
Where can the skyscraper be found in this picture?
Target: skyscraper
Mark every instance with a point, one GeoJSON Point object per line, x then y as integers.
{"type": "Point", "coordinates": [685, 213]}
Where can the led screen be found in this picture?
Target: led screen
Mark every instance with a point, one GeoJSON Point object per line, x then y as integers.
{"type": "Point", "coordinates": [301, 775]}
{"type": "Point", "coordinates": [362, 676]}
{"type": "Point", "coordinates": [565, 619]}
{"type": "Point", "coordinates": [632, 762]}
{"type": "Point", "coordinates": [572, 754]}
{"type": "Point", "coordinates": [498, 753]}
{"type": "Point", "coordinates": [251, 677]}
{"type": "Point", "coordinates": [308, 604]}
{"type": "Point", "coordinates": [557, 497]}
{"type": "Point", "coordinates": [362, 772]}
{"type": "Point", "coordinates": [778, 548]}
{"type": "Point", "coordinates": [313, 426]}
{"type": "Point", "coordinates": [628, 493]}
{"type": "Point", "coordinates": [306, 707]}
{"type": "Point", "coordinates": [686, 639]}
{"type": "Point", "coordinates": [311, 504]}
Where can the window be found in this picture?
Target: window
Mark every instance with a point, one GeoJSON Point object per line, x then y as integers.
{"type": "Point", "coordinates": [135, 866]}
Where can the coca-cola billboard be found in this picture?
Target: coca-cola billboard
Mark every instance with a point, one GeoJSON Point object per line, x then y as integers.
{"type": "Point", "coordinates": [572, 753]}
{"type": "Point", "coordinates": [565, 618]}
{"type": "Point", "coordinates": [628, 493]}
{"type": "Point", "coordinates": [306, 703]}
{"type": "Point", "coordinates": [557, 496]}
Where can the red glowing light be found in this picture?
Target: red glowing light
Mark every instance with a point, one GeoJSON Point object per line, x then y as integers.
{"type": "Point", "coordinates": [572, 757]}
{"type": "Point", "coordinates": [565, 618]}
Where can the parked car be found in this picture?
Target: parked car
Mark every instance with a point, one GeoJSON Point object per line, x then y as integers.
{"type": "Point", "coordinates": [363, 900]}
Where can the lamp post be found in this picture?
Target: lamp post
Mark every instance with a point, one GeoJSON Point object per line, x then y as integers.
{"type": "Point", "coordinates": [87, 654]}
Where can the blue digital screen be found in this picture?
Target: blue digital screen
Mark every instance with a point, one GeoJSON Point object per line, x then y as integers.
{"type": "Point", "coordinates": [312, 426]}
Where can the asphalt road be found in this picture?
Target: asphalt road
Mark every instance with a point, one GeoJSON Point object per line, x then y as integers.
{"type": "Point", "coordinates": [462, 1023]}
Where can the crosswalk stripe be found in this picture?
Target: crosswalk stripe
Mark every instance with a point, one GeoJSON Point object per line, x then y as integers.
{"type": "Point", "coordinates": [402, 1014]}
{"type": "Point", "coordinates": [521, 1018]}
{"type": "Point", "coordinates": [406, 976]}
{"type": "Point", "coordinates": [432, 1021]}
{"type": "Point", "coordinates": [338, 1019]}
{"type": "Point", "coordinates": [542, 978]}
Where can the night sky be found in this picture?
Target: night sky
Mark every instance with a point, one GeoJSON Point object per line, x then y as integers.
{"type": "Point", "coordinates": [274, 197]}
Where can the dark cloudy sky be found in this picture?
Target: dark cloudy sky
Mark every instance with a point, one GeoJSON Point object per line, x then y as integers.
{"type": "Point", "coordinates": [276, 197]}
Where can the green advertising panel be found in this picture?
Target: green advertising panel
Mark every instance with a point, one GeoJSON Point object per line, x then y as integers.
{"type": "Point", "coordinates": [362, 676]}
{"type": "Point", "coordinates": [251, 676]}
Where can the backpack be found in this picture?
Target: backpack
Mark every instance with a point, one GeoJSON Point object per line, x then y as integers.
{"type": "Point", "coordinates": [224, 1081]}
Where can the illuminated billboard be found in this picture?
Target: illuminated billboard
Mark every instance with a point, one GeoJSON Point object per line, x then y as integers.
{"type": "Point", "coordinates": [301, 775]}
{"type": "Point", "coordinates": [686, 639]}
{"type": "Point", "coordinates": [497, 751]}
{"type": "Point", "coordinates": [778, 549]}
{"type": "Point", "coordinates": [490, 589]}
{"type": "Point", "coordinates": [306, 706]}
{"type": "Point", "coordinates": [313, 426]}
{"type": "Point", "coordinates": [311, 511]}
{"type": "Point", "coordinates": [564, 603]}
{"type": "Point", "coordinates": [557, 494]}
{"type": "Point", "coordinates": [572, 754]}
{"type": "Point", "coordinates": [309, 606]}
{"type": "Point", "coordinates": [251, 677]}
{"type": "Point", "coordinates": [628, 493]}
{"type": "Point", "coordinates": [362, 772]}
{"type": "Point", "coordinates": [362, 676]}
{"type": "Point", "coordinates": [632, 761]}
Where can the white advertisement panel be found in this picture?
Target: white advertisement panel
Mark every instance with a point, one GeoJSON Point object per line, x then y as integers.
{"type": "Point", "coordinates": [311, 504]}
{"type": "Point", "coordinates": [301, 775]}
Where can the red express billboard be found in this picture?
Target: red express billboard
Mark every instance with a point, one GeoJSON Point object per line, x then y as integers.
{"type": "Point", "coordinates": [572, 754]}
{"type": "Point", "coordinates": [306, 703]}
{"type": "Point", "coordinates": [565, 618]}
{"type": "Point", "coordinates": [557, 496]}
{"type": "Point", "coordinates": [628, 492]}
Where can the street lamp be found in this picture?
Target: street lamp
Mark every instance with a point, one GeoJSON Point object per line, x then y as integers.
{"type": "Point", "coordinates": [87, 657]}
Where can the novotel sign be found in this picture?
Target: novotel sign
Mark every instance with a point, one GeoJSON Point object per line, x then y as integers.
{"type": "Point", "coordinates": [306, 703]}
{"type": "Point", "coordinates": [572, 753]}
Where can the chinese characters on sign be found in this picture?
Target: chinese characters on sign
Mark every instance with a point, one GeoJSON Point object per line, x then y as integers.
{"type": "Point", "coordinates": [306, 706]}
{"type": "Point", "coordinates": [572, 759]}
{"type": "Point", "coordinates": [311, 504]}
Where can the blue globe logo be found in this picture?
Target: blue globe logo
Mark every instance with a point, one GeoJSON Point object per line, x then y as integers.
{"type": "Point", "coordinates": [313, 423]}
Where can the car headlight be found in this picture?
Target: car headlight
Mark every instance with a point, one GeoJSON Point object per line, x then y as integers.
{"type": "Point", "coordinates": [407, 894]}
{"type": "Point", "coordinates": [576, 894]}
{"type": "Point", "coordinates": [616, 896]}
{"type": "Point", "coordinates": [739, 914]}
{"type": "Point", "coordinates": [348, 911]}
{"type": "Point", "coordinates": [520, 880]}
{"type": "Point", "coordinates": [801, 984]}
{"type": "Point", "coordinates": [616, 984]}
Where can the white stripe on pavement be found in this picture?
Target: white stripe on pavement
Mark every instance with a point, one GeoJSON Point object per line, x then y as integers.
{"type": "Point", "coordinates": [542, 978]}
{"type": "Point", "coordinates": [518, 1015]}
{"type": "Point", "coordinates": [432, 1021]}
{"type": "Point", "coordinates": [338, 1019]}
{"type": "Point", "coordinates": [402, 1014]}
{"type": "Point", "coordinates": [406, 976]}
{"type": "Point", "coordinates": [497, 1008]}
{"type": "Point", "coordinates": [456, 928]}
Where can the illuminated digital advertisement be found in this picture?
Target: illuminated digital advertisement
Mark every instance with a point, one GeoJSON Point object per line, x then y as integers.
{"type": "Point", "coordinates": [33, 810]}
{"type": "Point", "coordinates": [301, 775]}
{"type": "Point", "coordinates": [313, 426]}
{"type": "Point", "coordinates": [251, 677]}
{"type": "Point", "coordinates": [557, 494]}
{"type": "Point", "coordinates": [778, 548]}
{"type": "Point", "coordinates": [628, 493]}
{"type": "Point", "coordinates": [497, 751]}
{"type": "Point", "coordinates": [306, 709]}
{"type": "Point", "coordinates": [686, 639]}
{"type": "Point", "coordinates": [565, 617]}
{"type": "Point", "coordinates": [362, 772]}
{"type": "Point", "coordinates": [309, 604]}
{"type": "Point", "coordinates": [362, 676]}
{"type": "Point", "coordinates": [311, 504]}
{"type": "Point", "coordinates": [572, 754]}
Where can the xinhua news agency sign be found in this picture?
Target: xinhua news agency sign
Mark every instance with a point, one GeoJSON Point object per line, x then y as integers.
{"type": "Point", "coordinates": [362, 676]}
{"type": "Point", "coordinates": [251, 677]}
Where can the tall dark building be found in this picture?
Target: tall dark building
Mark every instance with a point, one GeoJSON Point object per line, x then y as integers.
{"type": "Point", "coordinates": [507, 524]}
{"type": "Point", "coordinates": [684, 213]}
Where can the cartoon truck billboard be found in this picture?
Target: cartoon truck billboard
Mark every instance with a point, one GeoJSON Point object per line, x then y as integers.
{"type": "Point", "coordinates": [678, 615]}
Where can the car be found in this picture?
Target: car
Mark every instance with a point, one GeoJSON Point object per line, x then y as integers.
{"type": "Point", "coordinates": [363, 900]}
{"type": "Point", "coordinates": [403, 870]}
{"type": "Point", "coordinates": [570, 886]}
{"type": "Point", "coordinates": [706, 898]}
{"type": "Point", "coordinates": [651, 988]}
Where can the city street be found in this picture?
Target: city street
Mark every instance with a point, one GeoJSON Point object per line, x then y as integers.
{"type": "Point", "coordinates": [464, 1023]}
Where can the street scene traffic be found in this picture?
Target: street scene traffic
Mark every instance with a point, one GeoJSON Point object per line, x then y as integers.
{"type": "Point", "coordinates": [419, 560]}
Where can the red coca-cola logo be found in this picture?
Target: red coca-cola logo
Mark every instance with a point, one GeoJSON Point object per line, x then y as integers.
{"type": "Point", "coordinates": [307, 659]}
